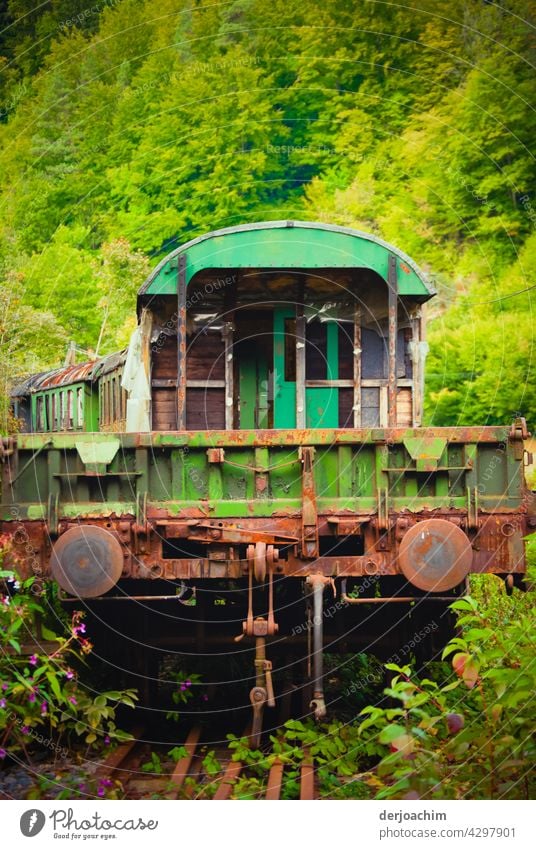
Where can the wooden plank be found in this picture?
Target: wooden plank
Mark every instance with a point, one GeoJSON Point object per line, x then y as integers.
{"type": "Point", "coordinates": [321, 384]}
{"type": "Point", "coordinates": [275, 779]}
{"type": "Point", "coordinates": [307, 778]}
{"type": "Point", "coordinates": [228, 335]}
{"type": "Point", "coordinates": [205, 384]}
{"type": "Point", "coordinates": [300, 363]}
{"type": "Point", "coordinates": [357, 366]}
{"type": "Point", "coordinates": [234, 768]}
{"type": "Point", "coordinates": [180, 773]}
{"type": "Point", "coordinates": [393, 333]}
{"type": "Point", "coordinates": [116, 759]}
{"type": "Point", "coordinates": [181, 343]}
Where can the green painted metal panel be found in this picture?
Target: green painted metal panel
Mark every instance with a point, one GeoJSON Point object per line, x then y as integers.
{"type": "Point", "coordinates": [350, 469]}
{"type": "Point", "coordinates": [91, 409]}
{"type": "Point", "coordinates": [284, 391]}
{"type": "Point", "coordinates": [287, 245]}
{"type": "Point", "coordinates": [322, 407]}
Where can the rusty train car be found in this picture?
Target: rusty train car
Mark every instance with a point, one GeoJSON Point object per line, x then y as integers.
{"type": "Point", "coordinates": [254, 465]}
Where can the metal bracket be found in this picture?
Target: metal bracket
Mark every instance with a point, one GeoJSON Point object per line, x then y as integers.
{"type": "Point", "coordinates": [472, 507]}
{"type": "Point", "coordinates": [309, 542]}
{"type": "Point", "coordinates": [215, 455]}
{"type": "Point", "coordinates": [97, 455]}
{"type": "Point", "coordinates": [518, 433]}
{"type": "Point", "coordinates": [52, 514]}
{"type": "Point", "coordinates": [383, 509]}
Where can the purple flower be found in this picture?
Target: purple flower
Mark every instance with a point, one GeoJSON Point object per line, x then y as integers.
{"type": "Point", "coordinates": [3, 753]}
{"type": "Point", "coordinates": [72, 700]}
{"type": "Point", "coordinates": [31, 697]}
{"type": "Point", "coordinates": [44, 707]}
{"type": "Point", "coordinates": [183, 688]}
{"type": "Point", "coordinates": [205, 698]}
{"type": "Point", "coordinates": [69, 674]}
{"type": "Point", "coordinates": [25, 729]}
{"type": "Point", "coordinates": [188, 683]}
{"type": "Point", "coordinates": [4, 687]}
{"type": "Point", "coordinates": [33, 660]}
{"type": "Point", "coordinates": [106, 741]}
{"type": "Point", "coordinates": [79, 629]}
{"type": "Point", "coordinates": [100, 791]}
{"type": "Point", "coordinates": [105, 782]}
{"type": "Point", "coordinates": [2, 703]}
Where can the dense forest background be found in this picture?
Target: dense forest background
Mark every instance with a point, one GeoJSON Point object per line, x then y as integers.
{"type": "Point", "coordinates": [129, 127]}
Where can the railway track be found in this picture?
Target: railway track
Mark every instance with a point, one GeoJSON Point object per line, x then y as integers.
{"type": "Point", "coordinates": [204, 771]}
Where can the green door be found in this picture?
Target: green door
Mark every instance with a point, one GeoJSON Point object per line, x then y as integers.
{"type": "Point", "coordinates": [321, 403]}
{"type": "Point", "coordinates": [253, 387]}
{"type": "Point", "coordinates": [284, 371]}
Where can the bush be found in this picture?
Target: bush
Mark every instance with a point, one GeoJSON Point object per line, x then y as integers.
{"type": "Point", "coordinates": [41, 700]}
{"type": "Point", "coordinates": [470, 737]}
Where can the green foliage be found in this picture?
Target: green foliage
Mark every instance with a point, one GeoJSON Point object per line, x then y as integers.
{"type": "Point", "coordinates": [185, 688]}
{"type": "Point", "coordinates": [154, 765]}
{"type": "Point", "coordinates": [125, 133]}
{"type": "Point", "coordinates": [470, 737]}
{"type": "Point", "coordinates": [41, 699]}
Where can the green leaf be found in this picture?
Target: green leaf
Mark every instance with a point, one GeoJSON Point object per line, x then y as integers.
{"type": "Point", "coordinates": [55, 686]}
{"type": "Point", "coordinates": [391, 732]}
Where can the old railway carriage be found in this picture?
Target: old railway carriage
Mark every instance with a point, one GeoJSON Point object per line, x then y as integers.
{"type": "Point", "coordinates": [258, 450]}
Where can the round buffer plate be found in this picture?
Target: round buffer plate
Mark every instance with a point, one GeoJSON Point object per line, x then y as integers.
{"type": "Point", "coordinates": [87, 561]}
{"type": "Point", "coordinates": [435, 555]}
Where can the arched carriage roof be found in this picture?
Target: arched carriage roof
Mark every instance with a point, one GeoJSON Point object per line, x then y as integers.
{"type": "Point", "coordinates": [286, 245]}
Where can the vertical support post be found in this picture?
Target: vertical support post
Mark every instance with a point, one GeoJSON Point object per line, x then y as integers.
{"type": "Point", "coordinates": [181, 343]}
{"type": "Point", "coordinates": [416, 392]}
{"type": "Point", "coordinates": [229, 305]}
{"type": "Point", "coordinates": [228, 335]}
{"type": "Point", "coordinates": [393, 333]}
{"type": "Point", "coordinates": [317, 584]}
{"type": "Point", "coordinates": [357, 366]}
{"type": "Point", "coordinates": [300, 362]}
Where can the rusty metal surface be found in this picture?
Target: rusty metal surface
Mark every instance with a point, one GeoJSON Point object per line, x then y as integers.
{"type": "Point", "coordinates": [260, 438]}
{"type": "Point", "coordinates": [435, 555]}
{"type": "Point", "coordinates": [87, 561]}
{"type": "Point", "coordinates": [117, 759]}
{"type": "Point", "coordinates": [392, 343]}
{"type": "Point", "coordinates": [78, 373]}
{"type": "Point", "coordinates": [496, 546]}
{"type": "Point", "coordinates": [307, 778]}
{"type": "Point", "coordinates": [232, 773]}
{"type": "Point", "coordinates": [275, 780]}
